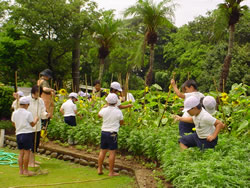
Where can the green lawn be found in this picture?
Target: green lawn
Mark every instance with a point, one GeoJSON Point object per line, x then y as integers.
{"type": "Point", "coordinates": [59, 172]}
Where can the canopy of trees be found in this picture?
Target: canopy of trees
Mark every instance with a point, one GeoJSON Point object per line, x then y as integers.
{"type": "Point", "coordinates": [80, 43]}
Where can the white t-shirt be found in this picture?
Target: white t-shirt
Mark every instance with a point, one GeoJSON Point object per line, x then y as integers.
{"type": "Point", "coordinates": [41, 114]}
{"type": "Point", "coordinates": [195, 94]}
{"type": "Point", "coordinates": [111, 118]}
{"type": "Point", "coordinates": [69, 108]}
{"type": "Point", "coordinates": [22, 119]}
{"type": "Point", "coordinates": [204, 124]}
{"type": "Point", "coordinates": [130, 97]}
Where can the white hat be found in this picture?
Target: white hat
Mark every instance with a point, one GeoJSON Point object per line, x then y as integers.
{"type": "Point", "coordinates": [24, 100]}
{"type": "Point", "coordinates": [73, 94]}
{"type": "Point", "coordinates": [210, 104]}
{"type": "Point", "coordinates": [112, 98]}
{"type": "Point", "coordinates": [190, 103]}
{"type": "Point", "coordinates": [116, 85]}
{"type": "Point", "coordinates": [20, 93]}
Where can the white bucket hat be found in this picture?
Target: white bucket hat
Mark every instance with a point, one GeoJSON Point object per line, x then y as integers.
{"type": "Point", "coordinates": [112, 98]}
{"type": "Point", "coordinates": [116, 85]}
{"type": "Point", "coordinates": [210, 104]}
{"type": "Point", "coordinates": [73, 94]}
{"type": "Point", "coordinates": [190, 103]}
{"type": "Point", "coordinates": [24, 100]}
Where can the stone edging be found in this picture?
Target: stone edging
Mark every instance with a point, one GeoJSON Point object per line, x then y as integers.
{"type": "Point", "coordinates": [143, 180]}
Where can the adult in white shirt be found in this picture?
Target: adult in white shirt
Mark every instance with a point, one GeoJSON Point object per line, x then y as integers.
{"type": "Point", "coordinates": [69, 109]}
{"type": "Point", "coordinates": [207, 127]}
{"type": "Point", "coordinates": [37, 108]}
{"type": "Point", "coordinates": [23, 121]}
{"type": "Point", "coordinates": [112, 119]}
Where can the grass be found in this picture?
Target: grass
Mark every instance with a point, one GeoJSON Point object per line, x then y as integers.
{"type": "Point", "coordinates": [59, 172]}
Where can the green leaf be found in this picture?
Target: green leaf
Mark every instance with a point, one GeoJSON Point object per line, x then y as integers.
{"type": "Point", "coordinates": [243, 125]}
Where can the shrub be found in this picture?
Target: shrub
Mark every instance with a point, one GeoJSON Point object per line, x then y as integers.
{"type": "Point", "coordinates": [6, 100]}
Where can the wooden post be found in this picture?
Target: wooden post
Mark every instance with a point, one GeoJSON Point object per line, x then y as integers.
{"type": "Point", "coordinates": [166, 103]}
{"type": "Point", "coordinates": [86, 83]}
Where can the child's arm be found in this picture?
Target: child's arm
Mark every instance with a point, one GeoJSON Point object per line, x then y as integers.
{"type": "Point", "coordinates": [121, 122]}
{"type": "Point", "coordinates": [218, 126]}
{"type": "Point", "coordinates": [184, 119]}
{"type": "Point", "coordinates": [125, 106]}
{"type": "Point", "coordinates": [62, 111]}
{"type": "Point", "coordinates": [176, 90]}
{"type": "Point", "coordinates": [34, 122]}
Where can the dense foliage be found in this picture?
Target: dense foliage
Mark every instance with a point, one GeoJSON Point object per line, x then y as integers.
{"type": "Point", "coordinates": [55, 34]}
{"type": "Point", "coordinates": [226, 166]}
{"type": "Point", "coordinates": [6, 100]}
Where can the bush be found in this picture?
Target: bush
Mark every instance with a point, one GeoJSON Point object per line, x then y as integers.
{"type": "Point", "coordinates": [6, 100]}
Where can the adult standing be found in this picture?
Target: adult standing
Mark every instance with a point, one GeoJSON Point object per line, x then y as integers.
{"type": "Point", "coordinates": [46, 92]}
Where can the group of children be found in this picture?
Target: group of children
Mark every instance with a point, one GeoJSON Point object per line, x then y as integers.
{"type": "Point", "coordinates": [198, 111]}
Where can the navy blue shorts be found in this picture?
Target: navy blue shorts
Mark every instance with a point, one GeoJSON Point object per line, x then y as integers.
{"type": "Point", "coordinates": [24, 141]}
{"type": "Point", "coordinates": [109, 140]}
{"type": "Point", "coordinates": [70, 120]}
{"type": "Point", "coordinates": [193, 140]}
{"type": "Point", "coordinates": [185, 128]}
{"type": "Point", "coordinates": [38, 136]}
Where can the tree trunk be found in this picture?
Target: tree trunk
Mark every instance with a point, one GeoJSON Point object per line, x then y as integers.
{"type": "Point", "coordinates": [149, 75]}
{"type": "Point", "coordinates": [76, 61]}
{"type": "Point", "coordinates": [228, 58]}
{"type": "Point", "coordinates": [101, 69]}
{"type": "Point", "coordinates": [120, 78]}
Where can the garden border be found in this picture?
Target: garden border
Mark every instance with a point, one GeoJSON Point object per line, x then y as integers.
{"type": "Point", "coordinates": [143, 176]}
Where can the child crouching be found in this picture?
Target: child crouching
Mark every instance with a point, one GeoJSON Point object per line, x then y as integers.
{"type": "Point", "coordinates": [112, 119]}
{"type": "Point", "coordinates": [207, 127]}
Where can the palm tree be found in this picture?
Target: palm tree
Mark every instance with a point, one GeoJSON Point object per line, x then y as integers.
{"type": "Point", "coordinates": [230, 11]}
{"type": "Point", "coordinates": [153, 16]}
{"type": "Point", "coordinates": [105, 33]}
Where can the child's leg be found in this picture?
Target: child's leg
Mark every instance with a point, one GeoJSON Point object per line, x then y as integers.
{"type": "Point", "coordinates": [26, 162]}
{"type": "Point", "coordinates": [182, 146]}
{"type": "Point", "coordinates": [20, 161]}
{"type": "Point", "coordinates": [112, 163]}
{"type": "Point", "coordinates": [32, 162]}
{"type": "Point", "coordinates": [101, 159]}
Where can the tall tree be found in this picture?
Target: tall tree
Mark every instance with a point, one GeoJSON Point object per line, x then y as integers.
{"type": "Point", "coordinates": [105, 33]}
{"type": "Point", "coordinates": [152, 15]}
{"type": "Point", "coordinates": [230, 12]}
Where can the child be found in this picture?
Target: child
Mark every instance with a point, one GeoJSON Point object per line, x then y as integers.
{"type": "Point", "coordinates": [112, 119]}
{"type": "Point", "coordinates": [115, 87]}
{"type": "Point", "coordinates": [69, 109]}
{"type": "Point", "coordinates": [15, 105]}
{"type": "Point", "coordinates": [23, 121]}
{"type": "Point", "coordinates": [37, 108]}
{"type": "Point", "coordinates": [207, 127]}
{"type": "Point", "coordinates": [97, 91]}
{"type": "Point", "coordinates": [190, 89]}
